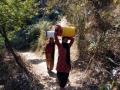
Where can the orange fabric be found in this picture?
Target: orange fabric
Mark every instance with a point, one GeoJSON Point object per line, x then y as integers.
{"type": "Point", "coordinates": [49, 61]}
{"type": "Point", "coordinates": [49, 53]}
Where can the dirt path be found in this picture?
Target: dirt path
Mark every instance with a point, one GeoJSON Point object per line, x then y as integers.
{"type": "Point", "coordinates": [50, 80]}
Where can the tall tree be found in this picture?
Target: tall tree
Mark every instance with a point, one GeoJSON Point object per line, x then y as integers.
{"type": "Point", "coordinates": [13, 15]}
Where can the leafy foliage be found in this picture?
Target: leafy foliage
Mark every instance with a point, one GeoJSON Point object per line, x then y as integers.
{"type": "Point", "coordinates": [27, 37]}
{"type": "Point", "coordinates": [13, 13]}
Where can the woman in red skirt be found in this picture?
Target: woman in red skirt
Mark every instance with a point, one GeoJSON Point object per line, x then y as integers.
{"type": "Point", "coordinates": [49, 53]}
{"type": "Point", "coordinates": [64, 62]}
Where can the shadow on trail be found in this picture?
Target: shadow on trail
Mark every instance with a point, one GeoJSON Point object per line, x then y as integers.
{"type": "Point", "coordinates": [36, 61]}
{"type": "Point", "coordinates": [52, 74]}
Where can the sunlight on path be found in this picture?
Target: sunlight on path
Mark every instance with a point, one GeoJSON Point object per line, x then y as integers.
{"type": "Point", "coordinates": [39, 63]}
{"type": "Point", "coordinates": [39, 68]}
{"type": "Point", "coordinates": [30, 55]}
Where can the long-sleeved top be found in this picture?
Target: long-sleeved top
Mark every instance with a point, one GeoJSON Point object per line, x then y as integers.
{"type": "Point", "coordinates": [62, 65]}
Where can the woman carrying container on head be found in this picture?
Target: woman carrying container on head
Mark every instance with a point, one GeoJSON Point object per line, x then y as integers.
{"type": "Point", "coordinates": [64, 62]}
{"type": "Point", "coordinates": [49, 53]}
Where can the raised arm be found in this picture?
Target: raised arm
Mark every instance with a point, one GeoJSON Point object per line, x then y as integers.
{"type": "Point", "coordinates": [56, 39]}
{"type": "Point", "coordinates": [71, 41]}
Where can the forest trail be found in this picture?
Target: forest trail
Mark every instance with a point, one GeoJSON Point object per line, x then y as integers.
{"type": "Point", "coordinates": [38, 62]}
{"type": "Point", "coordinates": [50, 80]}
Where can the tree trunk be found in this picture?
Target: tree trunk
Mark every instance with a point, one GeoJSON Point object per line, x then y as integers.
{"type": "Point", "coordinates": [10, 49]}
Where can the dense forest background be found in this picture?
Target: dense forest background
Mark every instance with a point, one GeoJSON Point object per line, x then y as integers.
{"type": "Point", "coordinates": [97, 43]}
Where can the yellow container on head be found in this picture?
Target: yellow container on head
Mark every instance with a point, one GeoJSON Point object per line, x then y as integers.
{"type": "Point", "coordinates": [69, 31]}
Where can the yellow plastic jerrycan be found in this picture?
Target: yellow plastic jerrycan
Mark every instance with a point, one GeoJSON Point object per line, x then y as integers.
{"type": "Point", "coordinates": [68, 31]}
